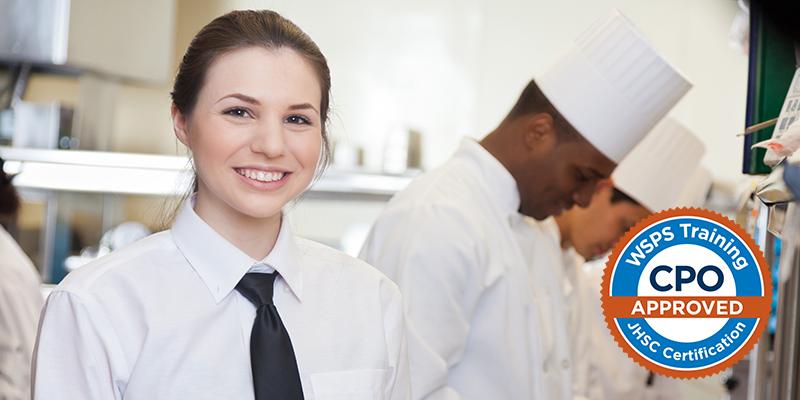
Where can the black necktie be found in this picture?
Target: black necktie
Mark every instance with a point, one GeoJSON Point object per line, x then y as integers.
{"type": "Point", "coordinates": [275, 374]}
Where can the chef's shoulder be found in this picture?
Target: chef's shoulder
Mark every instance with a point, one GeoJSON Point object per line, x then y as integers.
{"type": "Point", "coordinates": [441, 200]}
{"type": "Point", "coordinates": [450, 183]}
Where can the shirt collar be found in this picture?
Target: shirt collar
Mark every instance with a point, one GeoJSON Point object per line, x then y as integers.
{"type": "Point", "coordinates": [221, 265]}
{"type": "Point", "coordinates": [499, 182]}
{"type": "Point", "coordinates": [551, 226]}
{"type": "Point", "coordinates": [569, 254]}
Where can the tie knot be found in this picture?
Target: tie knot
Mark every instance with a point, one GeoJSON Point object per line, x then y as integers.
{"type": "Point", "coordinates": [257, 287]}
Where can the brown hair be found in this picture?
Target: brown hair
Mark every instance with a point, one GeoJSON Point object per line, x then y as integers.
{"type": "Point", "coordinates": [9, 200]}
{"type": "Point", "coordinates": [533, 100]}
{"type": "Point", "coordinates": [241, 29]}
{"type": "Point", "coordinates": [618, 195]}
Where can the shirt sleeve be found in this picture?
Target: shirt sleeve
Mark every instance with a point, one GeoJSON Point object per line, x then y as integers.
{"type": "Point", "coordinates": [15, 358]}
{"type": "Point", "coordinates": [399, 387]}
{"type": "Point", "coordinates": [75, 356]}
{"type": "Point", "coordinates": [431, 254]}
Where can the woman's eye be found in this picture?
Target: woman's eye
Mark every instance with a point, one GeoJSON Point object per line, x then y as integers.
{"type": "Point", "coordinates": [298, 119]}
{"type": "Point", "coordinates": [581, 177]}
{"type": "Point", "coordinates": [238, 112]}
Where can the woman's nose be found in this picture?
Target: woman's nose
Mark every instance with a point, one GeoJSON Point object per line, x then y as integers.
{"type": "Point", "coordinates": [268, 139]}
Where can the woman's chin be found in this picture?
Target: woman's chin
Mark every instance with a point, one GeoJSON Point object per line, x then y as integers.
{"type": "Point", "coordinates": [261, 213]}
{"type": "Point", "coordinates": [258, 208]}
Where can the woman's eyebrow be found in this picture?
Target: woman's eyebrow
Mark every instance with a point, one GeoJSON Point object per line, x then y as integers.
{"type": "Point", "coordinates": [303, 106]}
{"type": "Point", "coordinates": [242, 97]}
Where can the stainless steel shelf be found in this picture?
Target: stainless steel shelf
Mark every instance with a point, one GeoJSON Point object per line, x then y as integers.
{"type": "Point", "coordinates": [144, 174]}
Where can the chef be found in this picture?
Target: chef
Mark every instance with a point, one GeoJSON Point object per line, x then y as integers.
{"type": "Point", "coordinates": [450, 239]}
{"type": "Point", "coordinates": [663, 171]}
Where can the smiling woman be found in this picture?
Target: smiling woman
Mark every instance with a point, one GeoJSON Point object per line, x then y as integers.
{"type": "Point", "coordinates": [254, 135]}
{"type": "Point", "coordinates": [283, 47]}
{"type": "Point", "coordinates": [229, 303]}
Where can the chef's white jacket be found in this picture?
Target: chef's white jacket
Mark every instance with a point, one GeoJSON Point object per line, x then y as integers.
{"type": "Point", "coordinates": [449, 242]}
{"type": "Point", "coordinates": [20, 303]}
{"type": "Point", "coordinates": [161, 319]}
{"type": "Point", "coordinates": [542, 245]}
{"type": "Point", "coordinates": [603, 370]}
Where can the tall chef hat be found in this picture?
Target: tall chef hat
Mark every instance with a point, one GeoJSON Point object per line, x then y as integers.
{"type": "Point", "coordinates": [612, 86]}
{"type": "Point", "coordinates": [657, 170]}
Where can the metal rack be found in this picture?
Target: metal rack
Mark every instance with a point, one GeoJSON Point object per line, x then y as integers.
{"type": "Point", "coordinates": [47, 173]}
{"type": "Point", "coordinates": [145, 174]}
{"type": "Point", "coordinates": [775, 364]}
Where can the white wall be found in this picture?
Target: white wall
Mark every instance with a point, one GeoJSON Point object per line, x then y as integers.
{"type": "Point", "coordinates": [453, 68]}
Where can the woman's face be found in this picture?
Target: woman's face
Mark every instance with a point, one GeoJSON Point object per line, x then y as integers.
{"type": "Point", "coordinates": [255, 132]}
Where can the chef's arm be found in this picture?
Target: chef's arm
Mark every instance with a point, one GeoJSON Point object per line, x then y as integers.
{"type": "Point", "coordinates": [667, 388]}
{"type": "Point", "coordinates": [440, 275]}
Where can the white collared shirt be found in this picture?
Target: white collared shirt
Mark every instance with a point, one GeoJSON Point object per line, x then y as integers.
{"type": "Point", "coordinates": [448, 241]}
{"type": "Point", "coordinates": [20, 304]}
{"type": "Point", "coordinates": [161, 319]}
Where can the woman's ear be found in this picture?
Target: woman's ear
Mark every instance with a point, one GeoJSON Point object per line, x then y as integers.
{"type": "Point", "coordinates": [603, 190]}
{"type": "Point", "coordinates": [540, 133]}
{"type": "Point", "coordinates": [179, 123]}
{"type": "Point", "coordinates": [606, 183]}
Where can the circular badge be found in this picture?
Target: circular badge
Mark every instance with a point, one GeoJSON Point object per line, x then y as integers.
{"type": "Point", "coordinates": [686, 293]}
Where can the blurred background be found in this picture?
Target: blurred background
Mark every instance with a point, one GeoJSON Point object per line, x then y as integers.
{"type": "Point", "coordinates": [410, 79]}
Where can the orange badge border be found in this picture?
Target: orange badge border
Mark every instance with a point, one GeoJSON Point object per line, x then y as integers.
{"type": "Point", "coordinates": [642, 225]}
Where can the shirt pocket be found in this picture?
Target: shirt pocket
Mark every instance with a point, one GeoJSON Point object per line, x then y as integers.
{"type": "Point", "coordinates": [363, 384]}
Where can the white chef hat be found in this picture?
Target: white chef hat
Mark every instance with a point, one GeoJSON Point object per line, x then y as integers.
{"type": "Point", "coordinates": [657, 170]}
{"type": "Point", "coordinates": [612, 86]}
{"type": "Point", "coordinates": [696, 190]}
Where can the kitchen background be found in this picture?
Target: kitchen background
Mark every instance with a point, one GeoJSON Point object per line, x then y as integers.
{"type": "Point", "coordinates": [410, 79]}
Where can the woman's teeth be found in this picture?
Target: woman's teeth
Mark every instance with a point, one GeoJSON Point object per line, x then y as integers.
{"type": "Point", "coordinates": [261, 176]}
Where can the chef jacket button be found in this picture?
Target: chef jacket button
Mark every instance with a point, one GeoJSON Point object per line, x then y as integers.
{"type": "Point", "coordinates": [565, 363]}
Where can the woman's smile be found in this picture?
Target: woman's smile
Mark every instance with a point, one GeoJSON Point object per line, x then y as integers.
{"type": "Point", "coordinates": [261, 179]}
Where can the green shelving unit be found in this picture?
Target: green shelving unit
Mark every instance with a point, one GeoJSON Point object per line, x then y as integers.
{"type": "Point", "coordinates": [771, 68]}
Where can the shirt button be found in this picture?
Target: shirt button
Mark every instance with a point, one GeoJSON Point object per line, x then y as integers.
{"type": "Point", "coordinates": [565, 363]}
